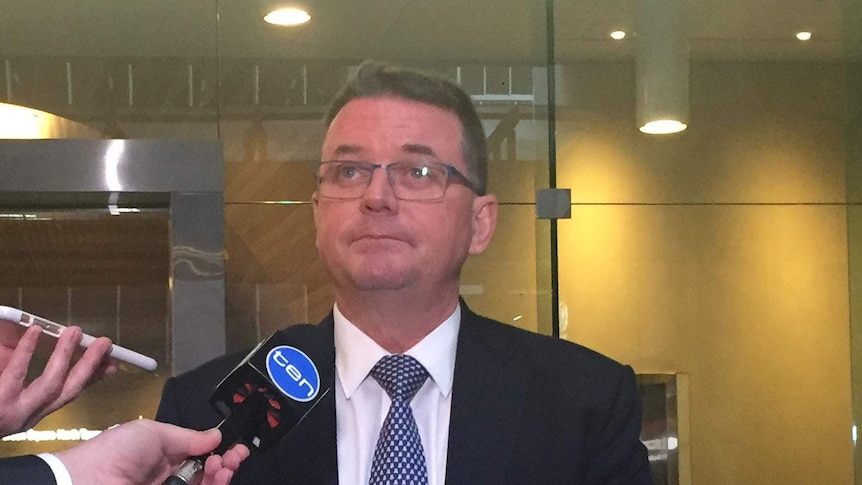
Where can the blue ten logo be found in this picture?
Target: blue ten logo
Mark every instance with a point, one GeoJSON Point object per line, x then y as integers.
{"type": "Point", "coordinates": [293, 373]}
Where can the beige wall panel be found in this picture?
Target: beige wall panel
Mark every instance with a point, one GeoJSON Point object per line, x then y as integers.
{"type": "Point", "coordinates": [502, 282]}
{"type": "Point", "coordinates": [274, 277]}
{"type": "Point", "coordinates": [759, 133]}
{"type": "Point", "coordinates": [854, 230]}
{"type": "Point", "coordinates": [258, 181]}
{"type": "Point", "coordinates": [751, 301]}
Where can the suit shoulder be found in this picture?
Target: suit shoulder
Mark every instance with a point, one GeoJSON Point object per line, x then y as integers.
{"type": "Point", "coordinates": [216, 369]}
{"type": "Point", "coordinates": [547, 351]}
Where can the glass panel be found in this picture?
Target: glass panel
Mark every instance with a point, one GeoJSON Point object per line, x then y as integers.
{"type": "Point", "coordinates": [108, 275]}
{"type": "Point", "coordinates": [276, 85]}
{"type": "Point", "coordinates": [720, 252]}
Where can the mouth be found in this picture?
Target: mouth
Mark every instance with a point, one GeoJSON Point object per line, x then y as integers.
{"type": "Point", "coordinates": [378, 237]}
{"type": "Point", "coordinates": [375, 239]}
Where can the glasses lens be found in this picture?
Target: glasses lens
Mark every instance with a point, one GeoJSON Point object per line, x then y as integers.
{"type": "Point", "coordinates": [418, 180]}
{"type": "Point", "coordinates": [343, 180]}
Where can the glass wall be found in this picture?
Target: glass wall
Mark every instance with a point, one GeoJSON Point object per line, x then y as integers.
{"type": "Point", "coordinates": [725, 255]}
{"type": "Point", "coordinates": [720, 253]}
{"type": "Point", "coordinates": [275, 86]}
{"type": "Point", "coordinates": [106, 274]}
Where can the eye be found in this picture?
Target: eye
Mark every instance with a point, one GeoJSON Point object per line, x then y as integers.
{"type": "Point", "coordinates": [347, 171]}
{"type": "Point", "coordinates": [420, 172]}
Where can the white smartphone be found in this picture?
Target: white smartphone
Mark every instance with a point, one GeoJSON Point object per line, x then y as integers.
{"type": "Point", "coordinates": [54, 329]}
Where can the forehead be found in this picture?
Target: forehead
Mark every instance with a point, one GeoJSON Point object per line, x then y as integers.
{"type": "Point", "coordinates": [385, 127]}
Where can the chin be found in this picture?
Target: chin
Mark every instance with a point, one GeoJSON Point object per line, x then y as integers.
{"type": "Point", "coordinates": [381, 281]}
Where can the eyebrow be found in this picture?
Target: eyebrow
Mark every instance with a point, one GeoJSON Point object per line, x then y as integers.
{"type": "Point", "coordinates": [415, 148]}
{"type": "Point", "coordinates": [418, 149]}
{"type": "Point", "coordinates": [347, 149]}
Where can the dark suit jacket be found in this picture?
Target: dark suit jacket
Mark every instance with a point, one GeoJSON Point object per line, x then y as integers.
{"type": "Point", "coordinates": [526, 408]}
{"type": "Point", "coordinates": [25, 470]}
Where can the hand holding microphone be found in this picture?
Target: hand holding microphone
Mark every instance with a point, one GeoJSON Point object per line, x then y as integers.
{"type": "Point", "coordinates": [143, 452]}
{"type": "Point", "coordinates": [274, 387]}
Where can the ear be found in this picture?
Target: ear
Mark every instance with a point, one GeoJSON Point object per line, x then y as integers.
{"type": "Point", "coordinates": [484, 223]}
{"type": "Point", "coordinates": [315, 202]}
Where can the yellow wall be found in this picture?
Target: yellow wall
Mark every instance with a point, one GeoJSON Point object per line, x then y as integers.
{"type": "Point", "coordinates": [20, 122]}
{"type": "Point", "coordinates": [720, 253]}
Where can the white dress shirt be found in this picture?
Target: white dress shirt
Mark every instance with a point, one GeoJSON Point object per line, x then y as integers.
{"type": "Point", "coordinates": [61, 474]}
{"type": "Point", "coordinates": [361, 404]}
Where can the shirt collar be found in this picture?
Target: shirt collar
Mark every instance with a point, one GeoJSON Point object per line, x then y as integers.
{"type": "Point", "coordinates": [356, 353]}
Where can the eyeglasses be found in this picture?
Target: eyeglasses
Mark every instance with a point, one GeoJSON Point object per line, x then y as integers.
{"type": "Point", "coordinates": [416, 180]}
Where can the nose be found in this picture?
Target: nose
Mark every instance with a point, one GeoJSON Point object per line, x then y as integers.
{"type": "Point", "coordinates": [379, 196]}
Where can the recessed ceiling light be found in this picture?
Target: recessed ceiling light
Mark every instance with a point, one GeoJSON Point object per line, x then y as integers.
{"type": "Point", "coordinates": [803, 35]}
{"type": "Point", "coordinates": [663, 127]}
{"type": "Point", "coordinates": [618, 35]}
{"type": "Point", "coordinates": [287, 16]}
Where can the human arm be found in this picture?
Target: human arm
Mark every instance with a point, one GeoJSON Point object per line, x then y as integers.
{"type": "Point", "coordinates": [145, 452]}
{"type": "Point", "coordinates": [619, 457]}
{"type": "Point", "coordinates": [23, 405]}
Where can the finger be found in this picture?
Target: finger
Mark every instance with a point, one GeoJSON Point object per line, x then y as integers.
{"type": "Point", "coordinates": [215, 471]}
{"type": "Point", "coordinates": [235, 456]}
{"type": "Point", "coordinates": [14, 416]}
{"type": "Point", "coordinates": [40, 396]}
{"type": "Point", "coordinates": [179, 443]}
{"type": "Point", "coordinates": [87, 369]}
{"type": "Point", "coordinates": [61, 357]}
{"type": "Point", "coordinates": [223, 477]}
{"type": "Point", "coordinates": [13, 375]}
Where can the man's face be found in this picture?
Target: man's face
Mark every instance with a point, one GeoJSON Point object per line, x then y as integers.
{"type": "Point", "coordinates": [378, 242]}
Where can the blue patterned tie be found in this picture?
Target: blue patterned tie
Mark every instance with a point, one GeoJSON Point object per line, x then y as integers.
{"type": "Point", "coordinates": [399, 458]}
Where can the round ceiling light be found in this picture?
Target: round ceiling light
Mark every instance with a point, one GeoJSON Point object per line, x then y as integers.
{"type": "Point", "coordinates": [287, 17]}
{"type": "Point", "coordinates": [618, 35]}
{"type": "Point", "coordinates": [803, 36]}
{"type": "Point", "coordinates": [663, 127]}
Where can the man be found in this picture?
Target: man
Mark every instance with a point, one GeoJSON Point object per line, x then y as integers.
{"type": "Point", "coordinates": [400, 205]}
{"type": "Point", "coordinates": [136, 453]}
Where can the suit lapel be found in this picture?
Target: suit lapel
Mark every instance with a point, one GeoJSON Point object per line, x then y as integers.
{"type": "Point", "coordinates": [487, 402]}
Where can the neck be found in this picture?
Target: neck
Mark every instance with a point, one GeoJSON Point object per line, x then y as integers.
{"type": "Point", "coordinates": [396, 320]}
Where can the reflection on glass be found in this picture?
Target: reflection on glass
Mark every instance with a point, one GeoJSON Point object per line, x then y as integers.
{"type": "Point", "coordinates": [106, 274]}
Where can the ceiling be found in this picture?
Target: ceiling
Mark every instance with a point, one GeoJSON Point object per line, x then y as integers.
{"type": "Point", "coordinates": [442, 30]}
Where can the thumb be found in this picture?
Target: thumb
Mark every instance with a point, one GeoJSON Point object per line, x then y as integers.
{"type": "Point", "coordinates": [181, 443]}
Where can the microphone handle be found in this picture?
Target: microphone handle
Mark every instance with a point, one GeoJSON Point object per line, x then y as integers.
{"type": "Point", "coordinates": [189, 473]}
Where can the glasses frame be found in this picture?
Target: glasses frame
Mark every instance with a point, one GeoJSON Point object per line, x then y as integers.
{"type": "Point", "coordinates": [452, 175]}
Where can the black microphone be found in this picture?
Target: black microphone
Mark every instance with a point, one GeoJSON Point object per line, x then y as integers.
{"type": "Point", "coordinates": [274, 387]}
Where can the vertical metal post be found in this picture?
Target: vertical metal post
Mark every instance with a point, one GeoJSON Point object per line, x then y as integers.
{"type": "Point", "coordinates": [552, 167]}
{"type": "Point", "coordinates": [257, 84]}
{"type": "Point", "coordinates": [131, 84]}
{"type": "Point", "coordinates": [118, 318]}
{"type": "Point", "coordinates": [69, 83]}
{"type": "Point", "coordinates": [191, 81]}
{"type": "Point", "coordinates": [304, 84]}
{"type": "Point", "coordinates": [8, 66]}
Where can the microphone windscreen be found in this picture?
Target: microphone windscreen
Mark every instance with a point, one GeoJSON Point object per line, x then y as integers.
{"type": "Point", "coordinates": [268, 393]}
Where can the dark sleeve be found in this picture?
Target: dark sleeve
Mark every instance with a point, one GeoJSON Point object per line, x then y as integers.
{"type": "Point", "coordinates": [168, 411]}
{"type": "Point", "coordinates": [185, 398]}
{"type": "Point", "coordinates": [30, 469]}
{"type": "Point", "coordinates": [619, 457]}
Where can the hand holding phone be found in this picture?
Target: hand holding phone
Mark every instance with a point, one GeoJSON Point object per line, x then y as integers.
{"type": "Point", "coordinates": [23, 403]}
{"type": "Point", "coordinates": [55, 329]}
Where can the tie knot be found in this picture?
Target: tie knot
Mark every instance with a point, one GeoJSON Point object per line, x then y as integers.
{"type": "Point", "coordinates": [400, 376]}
